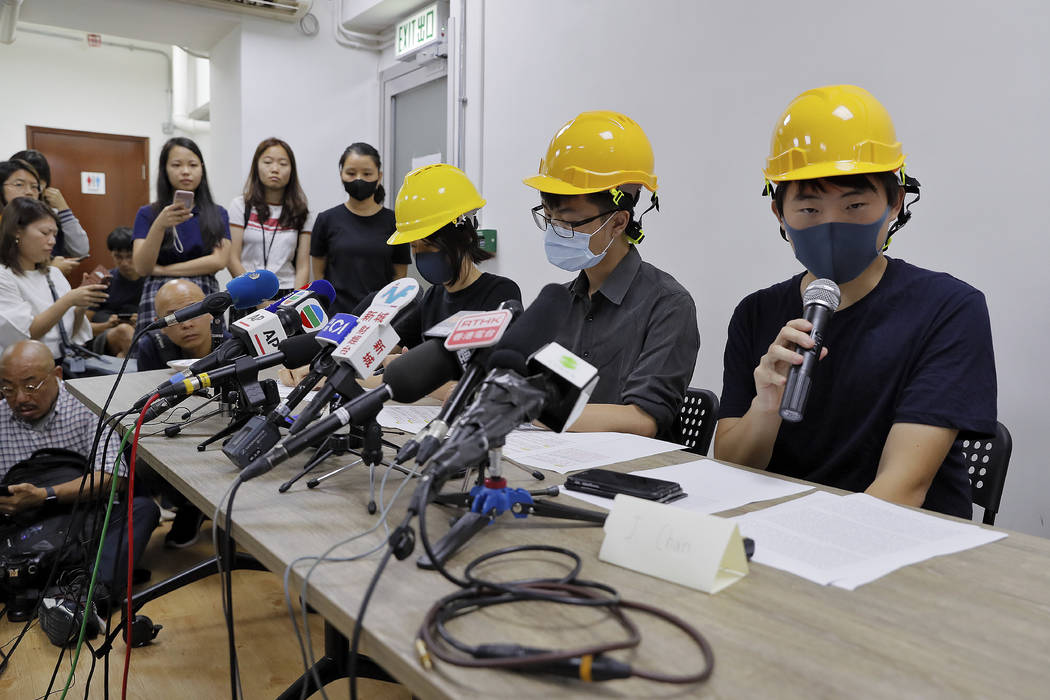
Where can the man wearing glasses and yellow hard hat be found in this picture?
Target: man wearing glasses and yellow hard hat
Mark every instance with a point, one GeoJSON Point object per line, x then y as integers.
{"type": "Point", "coordinates": [908, 361]}
{"type": "Point", "coordinates": [634, 322]}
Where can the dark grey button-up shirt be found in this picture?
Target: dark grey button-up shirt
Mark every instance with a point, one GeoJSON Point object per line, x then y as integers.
{"type": "Point", "coordinates": [640, 331]}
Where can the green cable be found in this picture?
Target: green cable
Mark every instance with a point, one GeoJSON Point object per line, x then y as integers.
{"type": "Point", "coordinates": [98, 560]}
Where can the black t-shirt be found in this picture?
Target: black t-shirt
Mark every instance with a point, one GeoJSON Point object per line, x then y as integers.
{"type": "Point", "coordinates": [485, 294]}
{"type": "Point", "coordinates": [124, 296]}
{"type": "Point", "coordinates": [358, 259]}
{"type": "Point", "coordinates": [916, 349]}
{"type": "Point", "coordinates": [155, 350]}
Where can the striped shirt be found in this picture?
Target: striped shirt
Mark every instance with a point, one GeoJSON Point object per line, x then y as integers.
{"type": "Point", "coordinates": [69, 425]}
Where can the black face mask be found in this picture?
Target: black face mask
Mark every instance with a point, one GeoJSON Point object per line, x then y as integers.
{"type": "Point", "coordinates": [360, 189]}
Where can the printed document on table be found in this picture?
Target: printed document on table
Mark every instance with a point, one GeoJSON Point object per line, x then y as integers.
{"type": "Point", "coordinates": [569, 452]}
{"type": "Point", "coordinates": [851, 540]}
{"type": "Point", "coordinates": [410, 419]}
{"type": "Point", "coordinates": [712, 487]}
{"type": "Point", "coordinates": [560, 452]}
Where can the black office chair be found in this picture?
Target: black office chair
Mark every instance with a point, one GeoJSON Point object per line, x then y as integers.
{"type": "Point", "coordinates": [986, 462]}
{"type": "Point", "coordinates": [697, 419]}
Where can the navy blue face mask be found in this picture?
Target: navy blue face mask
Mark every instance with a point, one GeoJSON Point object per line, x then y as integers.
{"type": "Point", "coordinates": [435, 267]}
{"type": "Point", "coordinates": [837, 250]}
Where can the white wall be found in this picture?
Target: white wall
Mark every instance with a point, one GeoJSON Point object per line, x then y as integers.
{"type": "Point", "coordinates": [63, 84]}
{"type": "Point", "coordinates": [270, 80]}
{"type": "Point", "coordinates": [964, 82]}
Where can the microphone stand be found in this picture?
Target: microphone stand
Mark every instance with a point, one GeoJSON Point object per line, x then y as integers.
{"type": "Point", "coordinates": [490, 498]}
{"type": "Point", "coordinates": [371, 455]}
{"type": "Point", "coordinates": [249, 398]}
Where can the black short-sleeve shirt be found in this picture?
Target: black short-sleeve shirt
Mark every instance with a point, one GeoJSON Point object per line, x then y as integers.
{"type": "Point", "coordinates": [358, 260]}
{"type": "Point", "coordinates": [916, 349]}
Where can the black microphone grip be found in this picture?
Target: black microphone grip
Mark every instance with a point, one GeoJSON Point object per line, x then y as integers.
{"type": "Point", "coordinates": [800, 377]}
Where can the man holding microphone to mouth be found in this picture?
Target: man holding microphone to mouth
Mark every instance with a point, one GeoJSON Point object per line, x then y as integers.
{"type": "Point", "coordinates": [907, 362]}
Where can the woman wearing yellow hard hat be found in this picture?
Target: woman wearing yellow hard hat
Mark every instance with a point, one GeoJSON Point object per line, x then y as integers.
{"type": "Point", "coordinates": [907, 362]}
{"type": "Point", "coordinates": [435, 213]}
{"type": "Point", "coordinates": [634, 322]}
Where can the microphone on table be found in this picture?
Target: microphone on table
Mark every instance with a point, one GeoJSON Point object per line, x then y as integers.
{"type": "Point", "coordinates": [244, 292]}
{"type": "Point", "coordinates": [409, 378]}
{"type": "Point", "coordinates": [555, 391]}
{"type": "Point", "coordinates": [250, 337]}
{"type": "Point", "coordinates": [261, 433]}
{"type": "Point", "coordinates": [260, 333]}
{"type": "Point", "coordinates": [311, 302]}
{"type": "Point", "coordinates": [819, 302]}
{"type": "Point", "coordinates": [321, 289]}
{"type": "Point", "coordinates": [291, 352]}
{"type": "Point", "coordinates": [361, 351]}
{"type": "Point", "coordinates": [536, 326]}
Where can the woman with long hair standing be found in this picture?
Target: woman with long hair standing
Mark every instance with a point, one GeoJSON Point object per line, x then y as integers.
{"type": "Point", "coordinates": [174, 237]}
{"type": "Point", "coordinates": [270, 223]}
{"type": "Point", "coordinates": [348, 246]}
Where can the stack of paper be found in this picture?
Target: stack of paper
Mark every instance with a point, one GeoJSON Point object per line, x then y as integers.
{"type": "Point", "coordinates": [851, 540]}
{"type": "Point", "coordinates": [711, 487]}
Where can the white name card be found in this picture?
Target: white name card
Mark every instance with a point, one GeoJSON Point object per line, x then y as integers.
{"type": "Point", "coordinates": [692, 549]}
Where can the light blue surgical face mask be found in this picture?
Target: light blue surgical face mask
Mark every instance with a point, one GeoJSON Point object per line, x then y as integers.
{"type": "Point", "coordinates": [837, 250]}
{"type": "Point", "coordinates": [571, 251]}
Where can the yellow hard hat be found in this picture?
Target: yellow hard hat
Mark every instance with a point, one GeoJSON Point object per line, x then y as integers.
{"type": "Point", "coordinates": [431, 197]}
{"type": "Point", "coordinates": [833, 130]}
{"type": "Point", "coordinates": [594, 152]}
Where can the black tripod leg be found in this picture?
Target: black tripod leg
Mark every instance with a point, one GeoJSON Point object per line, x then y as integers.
{"type": "Point", "coordinates": [319, 457]}
{"type": "Point", "coordinates": [335, 664]}
{"type": "Point", "coordinates": [466, 527]}
{"type": "Point", "coordinates": [230, 429]}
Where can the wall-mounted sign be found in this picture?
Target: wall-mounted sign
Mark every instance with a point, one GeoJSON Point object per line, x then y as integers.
{"type": "Point", "coordinates": [92, 183]}
{"type": "Point", "coordinates": [423, 28]}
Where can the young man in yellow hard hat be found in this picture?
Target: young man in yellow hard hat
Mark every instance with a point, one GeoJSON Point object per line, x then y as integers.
{"type": "Point", "coordinates": [634, 322]}
{"type": "Point", "coordinates": [908, 361]}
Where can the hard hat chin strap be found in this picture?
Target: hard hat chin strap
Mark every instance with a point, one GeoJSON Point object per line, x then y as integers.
{"type": "Point", "coordinates": [910, 186]}
{"type": "Point", "coordinates": [634, 231]}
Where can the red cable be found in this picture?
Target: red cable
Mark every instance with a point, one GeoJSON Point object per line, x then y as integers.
{"type": "Point", "coordinates": [131, 545]}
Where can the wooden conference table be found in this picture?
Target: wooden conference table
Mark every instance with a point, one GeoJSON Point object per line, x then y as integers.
{"type": "Point", "coordinates": [972, 624]}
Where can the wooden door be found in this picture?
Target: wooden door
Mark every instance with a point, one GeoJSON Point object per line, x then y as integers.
{"type": "Point", "coordinates": [123, 160]}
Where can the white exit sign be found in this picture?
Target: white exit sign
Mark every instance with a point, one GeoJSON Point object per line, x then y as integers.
{"type": "Point", "coordinates": [423, 28]}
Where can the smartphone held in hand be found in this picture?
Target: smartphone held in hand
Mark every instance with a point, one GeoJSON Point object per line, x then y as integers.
{"type": "Point", "coordinates": [184, 197]}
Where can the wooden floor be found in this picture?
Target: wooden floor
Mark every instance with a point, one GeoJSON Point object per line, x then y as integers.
{"type": "Point", "coordinates": [189, 657]}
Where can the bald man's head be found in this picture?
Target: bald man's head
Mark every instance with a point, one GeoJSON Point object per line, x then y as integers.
{"type": "Point", "coordinates": [194, 335]}
{"type": "Point", "coordinates": [175, 295]}
{"type": "Point", "coordinates": [29, 379]}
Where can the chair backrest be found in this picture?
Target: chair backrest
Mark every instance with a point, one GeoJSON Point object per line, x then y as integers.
{"type": "Point", "coordinates": [697, 419]}
{"type": "Point", "coordinates": [986, 463]}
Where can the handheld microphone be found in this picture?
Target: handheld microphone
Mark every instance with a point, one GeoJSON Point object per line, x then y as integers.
{"type": "Point", "coordinates": [244, 292]}
{"type": "Point", "coordinates": [819, 302]}
{"type": "Point", "coordinates": [409, 378]}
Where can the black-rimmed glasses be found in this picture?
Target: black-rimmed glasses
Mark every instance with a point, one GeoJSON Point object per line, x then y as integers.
{"type": "Point", "coordinates": [543, 221]}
